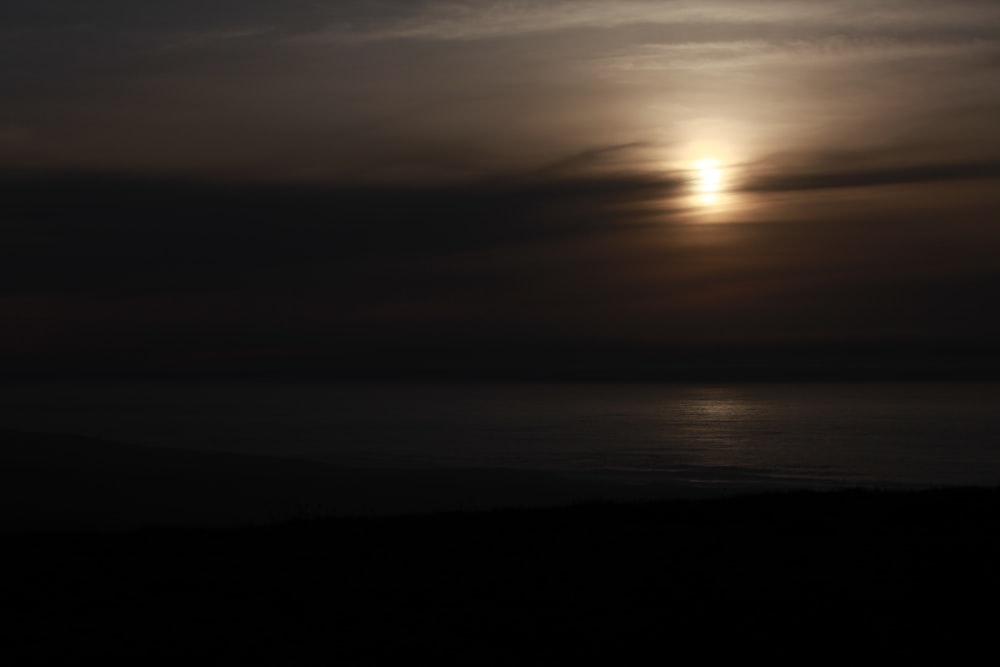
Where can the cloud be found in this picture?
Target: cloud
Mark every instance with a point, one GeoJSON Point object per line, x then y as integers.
{"type": "Point", "coordinates": [489, 19]}
{"type": "Point", "coordinates": [472, 19]}
{"type": "Point", "coordinates": [602, 156]}
{"type": "Point", "coordinates": [77, 232]}
{"type": "Point", "coordinates": [226, 86]}
{"type": "Point", "coordinates": [476, 19]}
{"type": "Point", "coordinates": [812, 179]}
{"type": "Point", "coordinates": [849, 50]}
{"type": "Point", "coordinates": [149, 266]}
{"type": "Point", "coordinates": [155, 267]}
{"type": "Point", "coordinates": [456, 170]}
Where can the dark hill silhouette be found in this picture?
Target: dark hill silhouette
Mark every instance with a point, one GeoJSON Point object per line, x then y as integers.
{"type": "Point", "coordinates": [776, 574]}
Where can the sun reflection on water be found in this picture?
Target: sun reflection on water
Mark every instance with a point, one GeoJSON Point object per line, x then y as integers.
{"type": "Point", "coordinates": [718, 406]}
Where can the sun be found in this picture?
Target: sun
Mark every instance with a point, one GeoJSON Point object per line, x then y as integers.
{"type": "Point", "coordinates": [709, 180]}
{"type": "Point", "coordinates": [709, 177]}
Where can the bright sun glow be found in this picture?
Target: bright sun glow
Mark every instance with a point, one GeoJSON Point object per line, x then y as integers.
{"type": "Point", "coordinates": [708, 181]}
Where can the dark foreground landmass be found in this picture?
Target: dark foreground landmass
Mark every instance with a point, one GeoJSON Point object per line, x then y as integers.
{"type": "Point", "coordinates": [797, 574]}
{"type": "Point", "coordinates": [899, 572]}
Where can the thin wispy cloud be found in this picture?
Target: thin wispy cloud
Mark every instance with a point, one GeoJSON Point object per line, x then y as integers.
{"type": "Point", "coordinates": [904, 174]}
{"type": "Point", "coordinates": [488, 20]}
{"type": "Point", "coordinates": [471, 20]}
{"type": "Point", "coordinates": [846, 50]}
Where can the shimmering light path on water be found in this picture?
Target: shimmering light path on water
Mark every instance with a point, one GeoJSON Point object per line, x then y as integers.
{"type": "Point", "coordinates": [741, 434]}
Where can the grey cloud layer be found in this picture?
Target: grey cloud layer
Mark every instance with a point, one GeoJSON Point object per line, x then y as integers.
{"type": "Point", "coordinates": [473, 19]}
{"type": "Point", "coordinates": [810, 179]}
{"type": "Point", "coordinates": [121, 263]}
{"type": "Point", "coordinates": [106, 233]}
{"type": "Point", "coordinates": [483, 19]}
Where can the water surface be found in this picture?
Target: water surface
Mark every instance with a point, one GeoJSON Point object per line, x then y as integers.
{"type": "Point", "coordinates": [813, 434]}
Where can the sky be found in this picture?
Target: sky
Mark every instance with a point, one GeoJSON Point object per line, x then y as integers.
{"type": "Point", "coordinates": [549, 187]}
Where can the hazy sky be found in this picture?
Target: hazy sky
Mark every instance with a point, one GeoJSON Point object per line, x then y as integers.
{"type": "Point", "coordinates": [247, 184]}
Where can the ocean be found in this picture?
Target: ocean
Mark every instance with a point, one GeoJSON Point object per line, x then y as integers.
{"type": "Point", "coordinates": [744, 436]}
